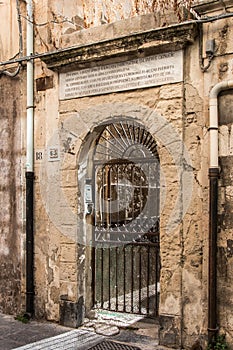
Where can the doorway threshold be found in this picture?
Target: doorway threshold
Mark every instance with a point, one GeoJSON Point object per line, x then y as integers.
{"type": "Point", "coordinates": [119, 319]}
{"type": "Point", "coordinates": [128, 329]}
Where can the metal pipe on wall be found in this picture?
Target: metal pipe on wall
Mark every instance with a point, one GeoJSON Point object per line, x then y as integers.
{"type": "Point", "coordinates": [213, 206]}
{"type": "Point", "coordinates": [30, 165]}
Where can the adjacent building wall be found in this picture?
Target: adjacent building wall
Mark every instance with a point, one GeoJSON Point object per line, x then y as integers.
{"type": "Point", "coordinates": [11, 196]}
{"type": "Point", "coordinates": [221, 70]}
{"type": "Point", "coordinates": [12, 126]}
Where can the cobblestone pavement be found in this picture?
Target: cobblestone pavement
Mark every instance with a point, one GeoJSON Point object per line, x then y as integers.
{"type": "Point", "coordinates": [14, 333]}
{"type": "Point", "coordinates": [49, 336]}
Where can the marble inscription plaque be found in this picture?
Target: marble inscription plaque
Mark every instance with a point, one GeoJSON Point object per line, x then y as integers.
{"type": "Point", "coordinates": [160, 69]}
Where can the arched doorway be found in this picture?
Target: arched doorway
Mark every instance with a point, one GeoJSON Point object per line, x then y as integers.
{"type": "Point", "coordinates": [125, 259]}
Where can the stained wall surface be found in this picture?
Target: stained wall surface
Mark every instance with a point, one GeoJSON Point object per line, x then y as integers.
{"type": "Point", "coordinates": [11, 197]}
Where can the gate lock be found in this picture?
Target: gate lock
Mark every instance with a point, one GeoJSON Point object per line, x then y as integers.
{"type": "Point", "coordinates": [88, 197]}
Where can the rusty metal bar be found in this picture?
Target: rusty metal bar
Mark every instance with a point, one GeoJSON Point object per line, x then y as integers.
{"type": "Point", "coordinates": [133, 133]}
{"type": "Point", "coordinates": [112, 143]}
{"type": "Point", "coordinates": [119, 134]}
{"type": "Point", "coordinates": [115, 138]}
{"type": "Point", "coordinates": [124, 279]}
{"type": "Point", "coordinates": [146, 243]}
{"type": "Point", "coordinates": [109, 278]}
{"type": "Point", "coordinates": [107, 195]}
{"type": "Point", "coordinates": [117, 191]}
{"type": "Point", "coordinates": [124, 131]}
{"type": "Point", "coordinates": [143, 131]}
{"type": "Point", "coordinates": [153, 149]}
{"type": "Point", "coordinates": [123, 161]}
{"type": "Point", "coordinates": [103, 199]}
{"type": "Point", "coordinates": [116, 278]}
{"type": "Point", "coordinates": [102, 277]}
{"type": "Point", "coordinates": [156, 281]}
{"type": "Point", "coordinates": [132, 278]}
{"type": "Point", "coordinates": [149, 142]}
{"type": "Point", "coordinates": [140, 281]}
{"type": "Point", "coordinates": [148, 280]}
{"type": "Point", "coordinates": [145, 141]}
{"type": "Point", "coordinates": [93, 269]}
{"type": "Point", "coordinates": [130, 134]}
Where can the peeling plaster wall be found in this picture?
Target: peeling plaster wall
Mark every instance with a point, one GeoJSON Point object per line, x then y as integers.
{"type": "Point", "coordinates": [9, 43]}
{"type": "Point", "coordinates": [195, 222]}
{"type": "Point", "coordinates": [54, 19]}
{"type": "Point", "coordinates": [221, 70]}
{"type": "Point", "coordinates": [225, 232]}
{"type": "Point", "coordinates": [10, 197]}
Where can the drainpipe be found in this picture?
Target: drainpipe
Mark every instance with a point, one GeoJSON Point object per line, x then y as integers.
{"type": "Point", "coordinates": [30, 166]}
{"type": "Point", "coordinates": [213, 206]}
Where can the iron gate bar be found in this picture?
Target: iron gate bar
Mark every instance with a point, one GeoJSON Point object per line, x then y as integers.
{"type": "Point", "coordinates": [112, 144]}
{"type": "Point", "coordinates": [130, 133]}
{"type": "Point", "coordinates": [102, 277]}
{"type": "Point", "coordinates": [119, 152]}
{"type": "Point", "coordinates": [133, 133]}
{"type": "Point", "coordinates": [124, 132]}
{"type": "Point", "coordinates": [132, 280]}
{"type": "Point", "coordinates": [109, 278]}
{"type": "Point", "coordinates": [135, 271]}
{"type": "Point", "coordinates": [156, 286]}
{"type": "Point", "coordinates": [110, 132]}
{"type": "Point", "coordinates": [115, 243]}
{"type": "Point", "coordinates": [140, 280]}
{"type": "Point", "coordinates": [126, 161]}
{"type": "Point", "coordinates": [116, 278]}
{"type": "Point", "coordinates": [142, 135]}
{"type": "Point", "coordinates": [121, 235]}
{"type": "Point", "coordinates": [148, 278]}
{"type": "Point", "coordinates": [132, 181]}
{"type": "Point", "coordinates": [124, 287]}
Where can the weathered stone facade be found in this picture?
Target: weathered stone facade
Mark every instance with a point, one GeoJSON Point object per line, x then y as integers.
{"type": "Point", "coordinates": [175, 114]}
{"type": "Point", "coordinates": [11, 196]}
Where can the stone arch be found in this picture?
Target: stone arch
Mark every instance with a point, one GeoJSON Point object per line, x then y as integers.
{"type": "Point", "coordinates": [105, 115]}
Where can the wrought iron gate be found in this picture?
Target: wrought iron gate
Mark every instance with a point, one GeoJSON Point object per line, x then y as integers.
{"type": "Point", "coordinates": [126, 230]}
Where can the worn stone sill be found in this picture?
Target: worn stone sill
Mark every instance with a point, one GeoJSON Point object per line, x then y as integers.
{"type": "Point", "coordinates": [135, 45]}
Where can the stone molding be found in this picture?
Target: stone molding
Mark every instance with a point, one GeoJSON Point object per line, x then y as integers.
{"type": "Point", "coordinates": [208, 6]}
{"type": "Point", "coordinates": [169, 38]}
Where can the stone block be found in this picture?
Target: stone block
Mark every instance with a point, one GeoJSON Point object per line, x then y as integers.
{"type": "Point", "coordinates": [169, 332]}
{"type": "Point", "coordinates": [68, 252]}
{"type": "Point", "coordinates": [70, 198]}
{"type": "Point", "coordinates": [72, 313]}
{"type": "Point", "coordinates": [171, 91]}
{"type": "Point", "coordinates": [69, 178]}
{"type": "Point", "coordinates": [68, 272]}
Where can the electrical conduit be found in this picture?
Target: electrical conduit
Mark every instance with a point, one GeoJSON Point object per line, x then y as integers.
{"type": "Point", "coordinates": [29, 165]}
{"type": "Point", "coordinates": [213, 206]}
